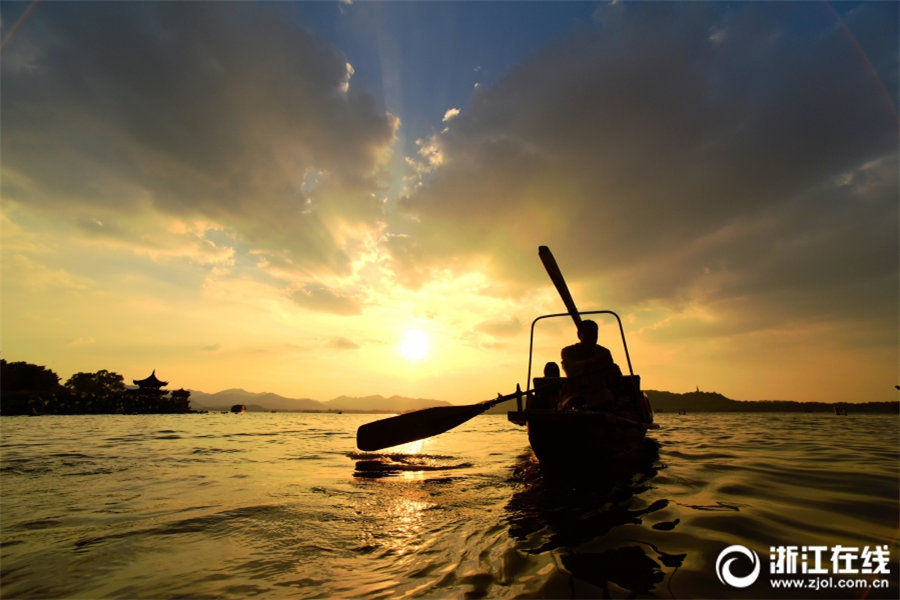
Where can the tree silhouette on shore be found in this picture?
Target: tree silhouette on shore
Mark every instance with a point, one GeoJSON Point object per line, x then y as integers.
{"type": "Point", "coordinates": [28, 389]}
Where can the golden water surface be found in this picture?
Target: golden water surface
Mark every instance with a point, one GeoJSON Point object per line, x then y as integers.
{"type": "Point", "coordinates": [281, 506]}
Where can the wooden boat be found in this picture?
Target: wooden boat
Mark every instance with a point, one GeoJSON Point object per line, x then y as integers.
{"type": "Point", "coordinates": [239, 408]}
{"type": "Point", "coordinates": [578, 439]}
{"type": "Point", "coordinates": [575, 437]}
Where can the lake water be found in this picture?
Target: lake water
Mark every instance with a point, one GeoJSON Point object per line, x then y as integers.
{"type": "Point", "coordinates": [280, 505]}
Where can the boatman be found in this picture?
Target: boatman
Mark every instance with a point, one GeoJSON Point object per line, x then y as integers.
{"type": "Point", "coordinates": [590, 371]}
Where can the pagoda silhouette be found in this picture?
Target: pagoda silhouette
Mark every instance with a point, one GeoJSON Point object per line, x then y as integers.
{"type": "Point", "coordinates": [150, 383]}
{"type": "Point", "coordinates": [149, 397]}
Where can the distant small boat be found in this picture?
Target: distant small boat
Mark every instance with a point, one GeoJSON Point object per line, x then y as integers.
{"type": "Point", "coordinates": [840, 409]}
{"type": "Point", "coordinates": [682, 411]}
{"type": "Point", "coordinates": [239, 408]}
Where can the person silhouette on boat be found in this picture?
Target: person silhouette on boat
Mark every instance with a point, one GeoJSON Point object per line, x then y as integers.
{"type": "Point", "coordinates": [546, 389]}
{"type": "Point", "coordinates": [551, 370]}
{"type": "Point", "coordinates": [590, 370]}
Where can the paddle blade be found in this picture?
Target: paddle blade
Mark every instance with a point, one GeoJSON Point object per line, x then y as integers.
{"type": "Point", "coordinates": [413, 426]}
{"type": "Point", "coordinates": [557, 278]}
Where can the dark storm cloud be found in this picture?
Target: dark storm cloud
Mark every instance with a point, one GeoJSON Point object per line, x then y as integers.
{"type": "Point", "coordinates": [681, 153]}
{"type": "Point", "coordinates": [223, 111]}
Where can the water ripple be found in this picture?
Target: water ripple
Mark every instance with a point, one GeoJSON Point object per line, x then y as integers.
{"type": "Point", "coordinates": [212, 506]}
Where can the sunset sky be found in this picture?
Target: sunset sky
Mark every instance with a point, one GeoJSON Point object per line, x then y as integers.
{"type": "Point", "coordinates": [347, 198]}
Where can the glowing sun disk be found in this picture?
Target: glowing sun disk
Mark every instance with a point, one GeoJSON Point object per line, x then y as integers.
{"type": "Point", "coordinates": [414, 345]}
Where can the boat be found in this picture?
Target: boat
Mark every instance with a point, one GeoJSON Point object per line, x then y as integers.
{"type": "Point", "coordinates": [565, 433]}
{"type": "Point", "coordinates": [576, 439]}
{"type": "Point", "coordinates": [239, 408]}
{"type": "Point", "coordinates": [840, 409]}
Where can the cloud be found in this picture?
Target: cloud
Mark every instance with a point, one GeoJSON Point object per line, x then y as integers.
{"type": "Point", "coordinates": [430, 151]}
{"type": "Point", "coordinates": [664, 166]}
{"type": "Point", "coordinates": [341, 343]}
{"type": "Point", "coordinates": [318, 297]}
{"type": "Point", "coordinates": [80, 341]}
{"type": "Point", "coordinates": [450, 114]}
{"type": "Point", "coordinates": [196, 111]}
{"type": "Point", "coordinates": [502, 327]}
{"type": "Point", "coordinates": [38, 277]}
{"type": "Point", "coordinates": [171, 238]}
{"type": "Point", "coordinates": [726, 178]}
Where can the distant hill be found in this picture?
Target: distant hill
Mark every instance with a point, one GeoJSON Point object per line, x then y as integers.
{"type": "Point", "coordinates": [661, 401]}
{"type": "Point", "coordinates": [716, 402]}
{"type": "Point", "coordinates": [693, 401]}
{"type": "Point", "coordinates": [265, 401]}
{"type": "Point", "coordinates": [392, 404]}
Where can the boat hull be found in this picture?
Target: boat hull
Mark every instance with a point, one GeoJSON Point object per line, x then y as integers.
{"type": "Point", "coordinates": [582, 440]}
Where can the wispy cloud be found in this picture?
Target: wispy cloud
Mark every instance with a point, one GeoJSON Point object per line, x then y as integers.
{"type": "Point", "coordinates": [315, 296]}
{"type": "Point", "coordinates": [341, 343]}
{"type": "Point", "coordinates": [502, 327]}
{"type": "Point", "coordinates": [80, 341]}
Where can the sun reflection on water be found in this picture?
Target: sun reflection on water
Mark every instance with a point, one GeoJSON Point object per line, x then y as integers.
{"type": "Point", "coordinates": [410, 447]}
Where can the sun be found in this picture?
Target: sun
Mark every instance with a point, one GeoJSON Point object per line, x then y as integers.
{"type": "Point", "coordinates": [414, 345]}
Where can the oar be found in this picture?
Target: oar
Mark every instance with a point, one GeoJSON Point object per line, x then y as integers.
{"type": "Point", "coordinates": [560, 283]}
{"type": "Point", "coordinates": [421, 424]}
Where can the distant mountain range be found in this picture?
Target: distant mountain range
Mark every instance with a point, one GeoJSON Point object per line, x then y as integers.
{"type": "Point", "coordinates": [392, 404]}
{"type": "Point", "coordinates": [263, 401]}
{"type": "Point", "coordinates": [714, 402]}
{"type": "Point", "coordinates": [661, 401]}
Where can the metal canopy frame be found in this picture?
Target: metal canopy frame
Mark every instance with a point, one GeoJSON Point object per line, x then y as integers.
{"type": "Point", "coordinates": [565, 314]}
